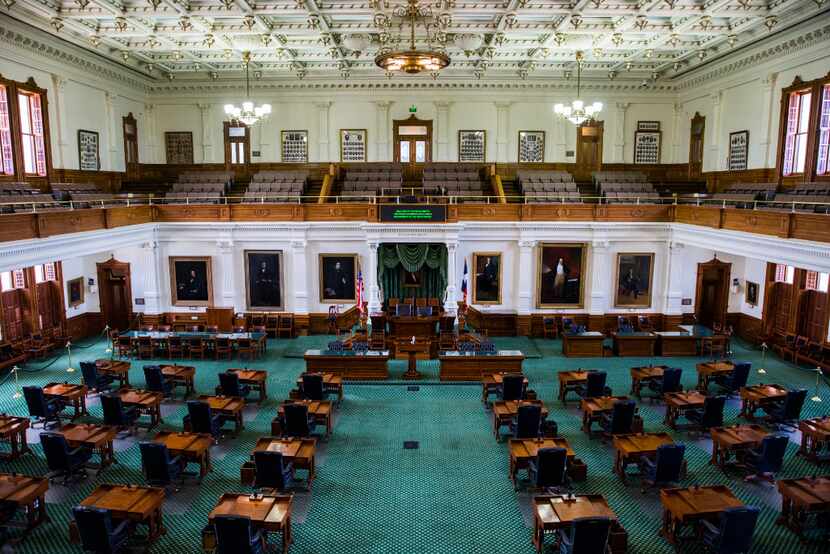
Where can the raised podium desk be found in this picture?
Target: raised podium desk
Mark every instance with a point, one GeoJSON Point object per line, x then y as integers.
{"type": "Point", "coordinates": [349, 365]}
{"type": "Point", "coordinates": [683, 342]}
{"type": "Point", "coordinates": [587, 344]}
{"type": "Point", "coordinates": [635, 343]}
{"type": "Point", "coordinates": [472, 366]}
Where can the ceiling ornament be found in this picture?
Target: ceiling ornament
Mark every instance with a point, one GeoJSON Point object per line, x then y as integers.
{"type": "Point", "coordinates": [57, 24]}
{"type": "Point", "coordinates": [155, 4]}
{"type": "Point", "coordinates": [82, 3]}
{"type": "Point", "coordinates": [414, 60]}
{"type": "Point", "coordinates": [185, 24]}
{"type": "Point", "coordinates": [120, 24]}
{"type": "Point", "coordinates": [357, 43]}
{"type": "Point", "coordinates": [248, 113]}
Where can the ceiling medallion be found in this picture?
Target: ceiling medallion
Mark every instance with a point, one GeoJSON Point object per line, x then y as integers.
{"type": "Point", "coordinates": [578, 113]}
{"type": "Point", "coordinates": [413, 60]}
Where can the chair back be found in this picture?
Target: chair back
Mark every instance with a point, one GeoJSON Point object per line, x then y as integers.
{"type": "Point", "coordinates": [296, 420]}
{"type": "Point", "coordinates": [793, 403]}
{"type": "Point", "coordinates": [740, 375]}
{"type": "Point", "coordinates": [154, 379]}
{"type": "Point", "coordinates": [403, 309]}
{"type": "Point", "coordinates": [35, 401]}
{"type": "Point", "coordinates": [595, 384]}
{"type": "Point", "coordinates": [56, 451]}
{"type": "Point", "coordinates": [529, 421]}
{"type": "Point", "coordinates": [94, 527]}
{"type": "Point", "coordinates": [671, 379]}
{"type": "Point", "coordinates": [424, 311]}
{"type": "Point", "coordinates": [155, 462]}
{"type": "Point", "coordinates": [360, 347]}
{"type": "Point", "coordinates": [270, 470]}
{"type": "Point", "coordinates": [567, 323]}
{"type": "Point", "coordinates": [89, 371]}
{"type": "Point", "coordinates": [622, 416]}
{"type": "Point", "coordinates": [713, 412]}
{"type": "Point", "coordinates": [313, 386]}
{"type": "Point", "coordinates": [773, 449]}
{"type": "Point", "coordinates": [669, 462]}
{"type": "Point", "coordinates": [233, 534]}
{"type": "Point", "coordinates": [466, 346]}
{"type": "Point", "coordinates": [113, 409]}
{"type": "Point", "coordinates": [513, 387]}
{"type": "Point", "coordinates": [335, 346]}
{"type": "Point", "coordinates": [736, 528]}
{"type": "Point", "coordinates": [175, 342]}
{"type": "Point", "coordinates": [229, 383]}
{"type": "Point", "coordinates": [589, 535]}
{"type": "Point", "coordinates": [200, 416]}
{"type": "Point", "coordinates": [487, 347]}
{"type": "Point", "coordinates": [551, 465]}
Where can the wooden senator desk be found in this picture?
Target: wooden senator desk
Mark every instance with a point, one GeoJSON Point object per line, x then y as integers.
{"type": "Point", "coordinates": [554, 512]}
{"type": "Point", "coordinates": [757, 396]}
{"type": "Point", "coordinates": [254, 378]}
{"type": "Point", "coordinates": [815, 435]}
{"type": "Point", "coordinates": [505, 411]}
{"type": "Point", "coordinates": [594, 408]}
{"type": "Point", "coordinates": [629, 448]}
{"type": "Point", "coordinates": [269, 512]}
{"type": "Point", "coordinates": [148, 403]}
{"type": "Point", "coordinates": [297, 451]}
{"type": "Point", "coordinates": [259, 339]}
{"type": "Point", "coordinates": [569, 381]}
{"type": "Point", "coordinates": [138, 504]}
{"type": "Point", "coordinates": [522, 451]}
{"type": "Point", "coordinates": [28, 493]}
{"type": "Point", "coordinates": [472, 366]}
{"type": "Point", "coordinates": [583, 345]}
{"type": "Point", "coordinates": [74, 395]}
{"type": "Point", "coordinates": [331, 383]}
{"type": "Point", "coordinates": [320, 410]}
{"type": "Point", "coordinates": [229, 407]}
{"type": "Point", "coordinates": [116, 368]}
{"type": "Point", "coordinates": [727, 440]}
{"type": "Point", "coordinates": [421, 327]}
{"type": "Point", "coordinates": [193, 447]}
{"type": "Point", "coordinates": [181, 375]}
{"type": "Point", "coordinates": [349, 365]}
{"type": "Point", "coordinates": [683, 342]}
{"type": "Point", "coordinates": [678, 402]}
{"type": "Point", "coordinates": [800, 497]}
{"type": "Point", "coordinates": [13, 431]}
{"type": "Point", "coordinates": [643, 375]}
{"type": "Point", "coordinates": [707, 371]}
{"type": "Point", "coordinates": [635, 343]}
{"type": "Point", "coordinates": [687, 506]}
{"type": "Point", "coordinates": [97, 437]}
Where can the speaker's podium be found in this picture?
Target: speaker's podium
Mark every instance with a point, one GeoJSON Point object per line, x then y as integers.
{"type": "Point", "coordinates": [410, 321]}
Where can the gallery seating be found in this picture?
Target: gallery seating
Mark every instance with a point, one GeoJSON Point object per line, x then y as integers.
{"type": "Point", "coordinates": [276, 186]}
{"type": "Point", "coordinates": [455, 180]}
{"type": "Point", "coordinates": [362, 181]}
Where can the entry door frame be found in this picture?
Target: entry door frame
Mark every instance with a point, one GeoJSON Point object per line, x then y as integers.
{"type": "Point", "coordinates": [411, 120]}
{"type": "Point", "coordinates": [106, 291]}
{"type": "Point", "coordinates": [131, 167]}
{"type": "Point", "coordinates": [726, 269]}
{"type": "Point", "coordinates": [600, 125]}
{"type": "Point", "coordinates": [697, 137]}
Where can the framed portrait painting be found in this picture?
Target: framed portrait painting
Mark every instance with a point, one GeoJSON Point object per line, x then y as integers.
{"type": "Point", "coordinates": [191, 281]}
{"type": "Point", "coordinates": [89, 158]}
{"type": "Point", "coordinates": [561, 275]}
{"type": "Point", "coordinates": [338, 274]}
{"type": "Point", "coordinates": [75, 291]}
{"type": "Point", "coordinates": [635, 272]}
{"type": "Point", "coordinates": [411, 279]}
{"type": "Point", "coordinates": [263, 280]}
{"type": "Point", "coordinates": [751, 293]}
{"type": "Point", "coordinates": [487, 278]}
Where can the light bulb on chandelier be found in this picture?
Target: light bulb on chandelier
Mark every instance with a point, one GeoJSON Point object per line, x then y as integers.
{"type": "Point", "coordinates": [578, 113]}
{"type": "Point", "coordinates": [249, 114]}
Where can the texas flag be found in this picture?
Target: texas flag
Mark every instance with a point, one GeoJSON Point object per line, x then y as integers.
{"type": "Point", "coordinates": [464, 283]}
{"type": "Point", "coordinates": [359, 288]}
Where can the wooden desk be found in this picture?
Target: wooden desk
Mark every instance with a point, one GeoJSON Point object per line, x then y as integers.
{"type": "Point", "coordinates": [97, 437]}
{"type": "Point", "coordinates": [684, 506]}
{"type": "Point", "coordinates": [505, 411]}
{"type": "Point", "coordinates": [815, 435]}
{"type": "Point", "coordinates": [319, 409]}
{"type": "Point", "coordinates": [569, 381]}
{"type": "Point", "coordinates": [372, 365]}
{"type": "Point", "coordinates": [298, 451]}
{"type": "Point", "coordinates": [638, 343]}
{"type": "Point", "coordinates": [13, 431]}
{"type": "Point", "coordinates": [70, 394]}
{"type": "Point", "coordinates": [181, 375]}
{"type": "Point", "coordinates": [148, 403]}
{"type": "Point", "coordinates": [28, 493]}
{"type": "Point", "coordinates": [192, 447]}
{"type": "Point", "coordinates": [269, 512]}
{"type": "Point", "coordinates": [677, 343]}
{"type": "Point", "coordinates": [420, 348]}
{"type": "Point", "coordinates": [594, 408]}
{"type": "Point", "coordinates": [643, 375]}
{"type": "Point", "coordinates": [554, 512]}
{"type": "Point", "coordinates": [331, 383]}
{"type": "Point", "coordinates": [679, 402]}
{"type": "Point", "coordinates": [472, 366]}
{"type": "Point", "coordinates": [115, 368]}
{"type": "Point", "coordinates": [726, 440]}
{"type": "Point", "coordinates": [800, 497]}
{"type": "Point", "coordinates": [229, 407]}
{"type": "Point", "coordinates": [629, 449]}
{"type": "Point", "coordinates": [522, 451]}
{"type": "Point", "coordinates": [255, 378]}
{"type": "Point", "coordinates": [583, 345]}
{"type": "Point", "coordinates": [132, 502]}
{"type": "Point", "coordinates": [757, 396]}
{"type": "Point", "coordinates": [492, 382]}
{"type": "Point", "coordinates": [403, 328]}
{"type": "Point", "coordinates": [707, 371]}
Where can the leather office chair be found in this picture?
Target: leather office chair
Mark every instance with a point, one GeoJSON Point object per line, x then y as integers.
{"type": "Point", "coordinates": [711, 415]}
{"type": "Point", "coordinates": [200, 419]}
{"type": "Point", "coordinates": [621, 418]}
{"type": "Point", "coordinates": [513, 387]}
{"type": "Point", "coordinates": [624, 324]}
{"type": "Point", "coordinates": [124, 347]}
{"type": "Point", "coordinates": [528, 422]}
{"type": "Point", "coordinates": [733, 533]}
{"type": "Point", "coordinates": [360, 347]}
{"type": "Point", "coordinates": [585, 535]}
{"type": "Point", "coordinates": [95, 527]}
{"type": "Point", "coordinates": [594, 386]}
{"type": "Point", "coordinates": [666, 467]}
{"type": "Point", "coordinates": [766, 461]}
{"type": "Point", "coordinates": [155, 380]}
{"type": "Point", "coordinates": [40, 408]}
{"type": "Point", "coordinates": [669, 383]}
{"type": "Point", "coordinates": [403, 310]}
{"type": "Point", "coordinates": [549, 470]}
{"type": "Point", "coordinates": [229, 385]}
{"type": "Point", "coordinates": [296, 421]}
{"type": "Point", "coordinates": [93, 380]}
{"type": "Point", "coordinates": [160, 470]}
{"type": "Point", "coordinates": [787, 412]}
{"type": "Point", "coordinates": [737, 378]}
{"type": "Point", "coordinates": [272, 471]}
{"type": "Point", "coordinates": [234, 535]}
{"type": "Point", "coordinates": [312, 386]}
{"type": "Point", "coordinates": [61, 460]}
{"type": "Point", "coordinates": [116, 414]}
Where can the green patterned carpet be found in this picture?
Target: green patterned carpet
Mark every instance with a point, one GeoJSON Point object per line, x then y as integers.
{"type": "Point", "coordinates": [452, 495]}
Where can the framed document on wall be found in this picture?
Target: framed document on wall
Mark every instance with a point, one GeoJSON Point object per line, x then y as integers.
{"type": "Point", "coordinates": [561, 275]}
{"type": "Point", "coordinates": [647, 147]}
{"type": "Point", "coordinates": [89, 157]}
{"type": "Point", "coordinates": [352, 145]}
{"type": "Point", "coordinates": [178, 147]}
{"type": "Point", "coordinates": [294, 146]}
{"type": "Point", "coordinates": [531, 146]}
{"type": "Point", "coordinates": [738, 150]}
{"type": "Point", "coordinates": [634, 280]}
{"type": "Point", "coordinates": [486, 277]}
{"type": "Point", "coordinates": [338, 274]}
{"type": "Point", "coordinates": [263, 280]}
{"type": "Point", "coordinates": [191, 281]}
{"type": "Point", "coordinates": [472, 145]}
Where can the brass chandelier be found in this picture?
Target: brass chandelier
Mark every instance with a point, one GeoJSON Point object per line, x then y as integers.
{"type": "Point", "coordinates": [413, 60]}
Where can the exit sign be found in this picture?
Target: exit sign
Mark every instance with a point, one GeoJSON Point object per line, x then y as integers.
{"type": "Point", "coordinates": [412, 213]}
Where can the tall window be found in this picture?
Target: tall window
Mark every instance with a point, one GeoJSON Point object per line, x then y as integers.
{"type": "Point", "coordinates": [784, 273]}
{"type": "Point", "coordinates": [6, 151]}
{"type": "Point", "coordinates": [45, 272]}
{"type": "Point", "coordinates": [823, 163]}
{"type": "Point", "coordinates": [816, 281]}
{"type": "Point", "coordinates": [798, 126]}
{"type": "Point", "coordinates": [10, 280]}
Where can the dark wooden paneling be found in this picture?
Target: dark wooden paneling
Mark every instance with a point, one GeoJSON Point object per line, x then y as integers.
{"type": "Point", "coordinates": [496, 324]}
{"type": "Point", "coordinates": [756, 221]}
{"type": "Point", "coordinates": [133, 215]}
{"type": "Point", "coordinates": [554, 212]}
{"type": "Point", "coordinates": [106, 181]}
{"type": "Point", "coordinates": [340, 212]}
{"type": "Point", "coordinates": [698, 215]}
{"type": "Point", "coordinates": [192, 212]}
{"type": "Point", "coordinates": [716, 181]}
{"type": "Point", "coordinates": [267, 212]}
{"type": "Point", "coordinates": [18, 227]}
{"type": "Point", "coordinates": [74, 221]}
{"type": "Point", "coordinates": [85, 325]}
{"type": "Point", "coordinates": [632, 212]}
{"type": "Point", "coordinates": [745, 326]}
{"type": "Point", "coordinates": [810, 227]}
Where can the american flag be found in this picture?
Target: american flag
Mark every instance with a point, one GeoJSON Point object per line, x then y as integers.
{"type": "Point", "coordinates": [359, 287]}
{"type": "Point", "coordinates": [464, 283]}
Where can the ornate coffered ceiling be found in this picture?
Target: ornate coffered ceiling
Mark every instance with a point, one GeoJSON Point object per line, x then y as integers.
{"type": "Point", "coordinates": [642, 40]}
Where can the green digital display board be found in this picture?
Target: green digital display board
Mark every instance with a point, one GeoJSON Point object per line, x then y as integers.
{"type": "Point", "coordinates": [412, 213]}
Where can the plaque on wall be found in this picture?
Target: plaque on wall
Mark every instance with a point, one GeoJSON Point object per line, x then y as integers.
{"type": "Point", "coordinates": [178, 146]}
{"type": "Point", "coordinates": [647, 147]}
{"type": "Point", "coordinates": [738, 150]}
{"type": "Point", "coordinates": [89, 158]}
{"type": "Point", "coordinates": [472, 145]}
{"type": "Point", "coordinates": [352, 145]}
{"type": "Point", "coordinates": [648, 125]}
{"type": "Point", "coordinates": [294, 146]}
{"type": "Point", "coordinates": [531, 146]}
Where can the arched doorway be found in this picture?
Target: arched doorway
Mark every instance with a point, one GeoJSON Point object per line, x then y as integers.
{"type": "Point", "coordinates": [115, 293]}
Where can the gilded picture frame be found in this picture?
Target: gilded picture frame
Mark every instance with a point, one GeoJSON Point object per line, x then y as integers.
{"type": "Point", "coordinates": [191, 281]}
{"type": "Point", "coordinates": [335, 284]}
{"type": "Point", "coordinates": [484, 291]}
{"type": "Point", "coordinates": [555, 289]}
{"type": "Point", "coordinates": [631, 289]}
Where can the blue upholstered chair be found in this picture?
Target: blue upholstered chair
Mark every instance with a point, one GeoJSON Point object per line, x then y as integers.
{"type": "Point", "coordinates": [154, 378]}
{"type": "Point", "coordinates": [360, 347]}
{"type": "Point", "coordinates": [93, 380]}
{"type": "Point", "coordinates": [160, 469]}
{"type": "Point", "coordinates": [487, 347]}
{"type": "Point", "coordinates": [594, 385]}
{"type": "Point", "coordinates": [549, 470]}
{"type": "Point", "coordinates": [116, 414]}
{"type": "Point", "coordinates": [335, 346]}
{"type": "Point", "coordinates": [621, 418]}
{"type": "Point", "coordinates": [585, 535]}
{"type": "Point", "coordinates": [767, 460]}
{"type": "Point", "coordinates": [297, 422]}
{"type": "Point", "coordinates": [732, 382]}
{"type": "Point", "coordinates": [272, 471]}
{"type": "Point", "coordinates": [567, 324]}
{"type": "Point", "coordinates": [669, 383]}
{"type": "Point", "coordinates": [229, 385]}
{"type": "Point", "coordinates": [528, 422]}
{"type": "Point", "coordinates": [61, 460]}
{"type": "Point", "coordinates": [41, 409]}
{"type": "Point", "coordinates": [787, 412]}
{"type": "Point", "coordinates": [312, 387]}
{"type": "Point", "coordinates": [513, 387]}
{"type": "Point", "coordinates": [200, 419]}
{"type": "Point", "coordinates": [711, 415]}
{"type": "Point", "coordinates": [733, 533]}
{"type": "Point", "coordinates": [234, 535]}
{"type": "Point", "coordinates": [666, 467]}
{"type": "Point", "coordinates": [95, 527]}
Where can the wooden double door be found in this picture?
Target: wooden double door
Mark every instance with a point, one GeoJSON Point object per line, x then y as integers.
{"type": "Point", "coordinates": [412, 144]}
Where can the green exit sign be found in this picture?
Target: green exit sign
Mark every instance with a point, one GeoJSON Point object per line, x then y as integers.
{"type": "Point", "coordinates": [413, 109]}
{"type": "Point", "coordinates": [398, 213]}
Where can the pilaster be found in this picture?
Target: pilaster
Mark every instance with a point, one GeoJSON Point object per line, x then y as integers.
{"type": "Point", "coordinates": [619, 132]}
{"type": "Point", "coordinates": [371, 279]}
{"type": "Point", "coordinates": [207, 146]}
{"type": "Point", "coordinates": [323, 154]}
{"type": "Point", "coordinates": [300, 276]}
{"type": "Point", "coordinates": [59, 102]}
{"type": "Point", "coordinates": [502, 131]}
{"type": "Point", "coordinates": [524, 277]}
{"type": "Point", "coordinates": [382, 151]}
{"type": "Point", "coordinates": [451, 301]}
{"type": "Point", "coordinates": [442, 153]}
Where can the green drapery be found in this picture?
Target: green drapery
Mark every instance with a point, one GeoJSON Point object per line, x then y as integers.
{"type": "Point", "coordinates": [429, 259]}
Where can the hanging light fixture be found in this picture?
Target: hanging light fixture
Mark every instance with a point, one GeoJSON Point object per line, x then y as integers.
{"type": "Point", "coordinates": [413, 60]}
{"type": "Point", "coordinates": [578, 113]}
{"type": "Point", "coordinates": [248, 113]}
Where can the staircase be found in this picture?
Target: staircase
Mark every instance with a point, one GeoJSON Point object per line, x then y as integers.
{"type": "Point", "coordinates": [511, 190]}
{"type": "Point", "coordinates": [588, 189]}
{"type": "Point", "coordinates": [237, 190]}
{"type": "Point", "coordinates": [312, 190]}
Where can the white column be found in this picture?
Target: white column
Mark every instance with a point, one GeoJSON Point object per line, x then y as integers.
{"type": "Point", "coordinates": [502, 131]}
{"type": "Point", "coordinates": [226, 266]}
{"type": "Point", "coordinates": [370, 277]}
{"type": "Point", "coordinates": [672, 300]}
{"type": "Point", "coordinates": [323, 154]}
{"type": "Point", "coordinates": [149, 133]}
{"type": "Point", "coordinates": [451, 302]}
{"type": "Point", "coordinates": [207, 147]}
{"type": "Point", "coordinates": [382, 124]}
{"type": "Point", "coordinates": [525, 270]}
{"type": "Point", "coordinates": [767, 87]}
{"type": "Point", "coordinates": [300, 285]}
{"type": "Point", "coordinates": [152, 294]}
{"type": "Point", "coordinates": [675, 133]}
{"type": "Point", "coordinates": [442, 152]}
{"type": "Point", "coordinates": [713, 140]}
{"type": "Point", "coordinates": [112, 129]}
{"type": "Point", "coordinates": [619, 132]}
{"type": "Point", "coordinates": [600, 270]}
{"type": "Point", "coordinates": [57, 99]}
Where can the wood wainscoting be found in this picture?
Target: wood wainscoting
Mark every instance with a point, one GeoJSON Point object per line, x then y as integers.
{"type": "Point", "coordinates": [748, 328]}
{"type": "Point", "coordinates": [106, 181]}
{"type": "Point", "coordinates": [717, 181]}
{"type": "Point", "coordinates": [85, 325]}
